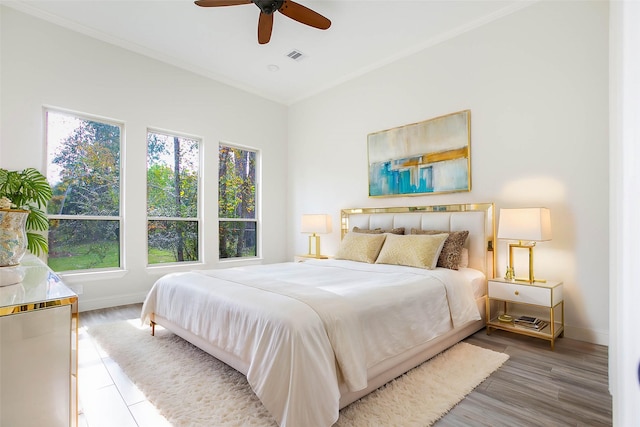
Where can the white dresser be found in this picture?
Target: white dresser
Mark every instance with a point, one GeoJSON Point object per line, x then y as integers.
{"type": "Point", "coordinates": [38, 350]}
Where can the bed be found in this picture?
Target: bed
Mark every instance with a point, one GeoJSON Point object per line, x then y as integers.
{"type": "Point", "coordinates": [315, 336]}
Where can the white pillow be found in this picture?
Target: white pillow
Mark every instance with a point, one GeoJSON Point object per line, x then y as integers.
{"type": "Point", "coordinates": [360, 247]}
{"type": "Point", "coordinates": [413, 250]}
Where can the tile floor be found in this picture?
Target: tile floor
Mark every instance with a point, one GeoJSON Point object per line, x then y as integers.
{"type": "Point", "coordinates": [107, 398]}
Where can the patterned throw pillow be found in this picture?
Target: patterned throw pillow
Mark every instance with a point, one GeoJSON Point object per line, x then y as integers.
{"type": "Point", "coordinates": [412, 250]}
{"type": "Point", "coordinates": [360, 247]}
{"type": "Point", "coordinates": [399, 230]}
{"type": "Point", "coordinates": [452, 249]}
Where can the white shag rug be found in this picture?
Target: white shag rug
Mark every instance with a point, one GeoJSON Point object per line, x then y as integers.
{"type": "Point", "coordinates": [192, 388]}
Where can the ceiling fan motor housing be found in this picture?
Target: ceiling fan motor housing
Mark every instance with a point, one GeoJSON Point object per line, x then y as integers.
{"type": "Point", "coordinates": [269, 6]}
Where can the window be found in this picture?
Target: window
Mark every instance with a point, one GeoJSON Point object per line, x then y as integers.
{"type": "Point", "coordinates": [83, 169]}
{"type": "Point", "coordinates": [173, 164]}
{"type": "Point", "coordinates": [238, 225]}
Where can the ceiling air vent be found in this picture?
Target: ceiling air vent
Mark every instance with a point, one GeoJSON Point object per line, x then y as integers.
{"type": "Point", "coordinates": [296, 55]}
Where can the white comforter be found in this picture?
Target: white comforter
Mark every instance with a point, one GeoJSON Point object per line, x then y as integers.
{"type": "Point", "coordinates": [302, 328]}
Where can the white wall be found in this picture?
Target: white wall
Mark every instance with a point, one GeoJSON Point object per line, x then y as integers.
{"type": "Point", "coordinates": [46, 65]}
{"type": "Point", "coordinates": [536, 85]}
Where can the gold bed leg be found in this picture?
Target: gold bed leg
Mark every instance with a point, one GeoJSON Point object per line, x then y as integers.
{"type": "Point", "coordinates": [153, 328]}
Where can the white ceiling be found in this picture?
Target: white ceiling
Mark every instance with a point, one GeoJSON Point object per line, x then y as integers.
{"type": "Point", "coordinates": [221, 42]}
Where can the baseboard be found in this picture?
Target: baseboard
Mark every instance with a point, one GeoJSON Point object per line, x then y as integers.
{"type": "Point", "coordinates": [594, 336]}
{"type": "Point", "coordinates": [94, 304]}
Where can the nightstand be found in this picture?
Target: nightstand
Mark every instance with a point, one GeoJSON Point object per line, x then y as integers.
{"type": "Point", "coordinates": [518, 297]}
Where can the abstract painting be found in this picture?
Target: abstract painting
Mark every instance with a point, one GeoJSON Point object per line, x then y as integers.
{"type": "Point", "coordinates": [429, 157]}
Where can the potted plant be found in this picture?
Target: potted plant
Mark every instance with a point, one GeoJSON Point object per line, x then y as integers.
{"type": "Point", "coordinates": [23, 196]}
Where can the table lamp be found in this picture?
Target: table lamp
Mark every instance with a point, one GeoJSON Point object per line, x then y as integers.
{"type": "Point", "coordinates": [527, 226]}
{"type": "Point", "coordinates": [315, 224]}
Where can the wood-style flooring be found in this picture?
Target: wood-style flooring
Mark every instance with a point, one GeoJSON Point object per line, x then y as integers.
{"type": "Point", "coordinates": [535, 387]}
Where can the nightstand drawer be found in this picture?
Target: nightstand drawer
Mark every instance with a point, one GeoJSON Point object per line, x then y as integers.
{"type": "Point", "coordinates": [546, 296]}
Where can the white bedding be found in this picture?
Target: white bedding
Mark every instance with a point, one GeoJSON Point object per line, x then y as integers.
{"type": "Point", "coordinates": [302, 328]}
{"type": "Point", "coordinates": [477, 279]}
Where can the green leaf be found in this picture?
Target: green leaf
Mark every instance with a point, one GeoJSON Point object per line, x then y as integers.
{"type": "Point", "coordinates": [36, 186]}
{"type": "Point", "coordinates": [37, 220]}
{"type": "Point", "coordinates": [37, 244]}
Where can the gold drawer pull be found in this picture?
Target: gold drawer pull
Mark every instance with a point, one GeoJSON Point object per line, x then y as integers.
{"type": "Point", "coordinates": [517, 293]}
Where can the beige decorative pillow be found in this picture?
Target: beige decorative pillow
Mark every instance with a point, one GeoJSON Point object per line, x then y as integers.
{"type": "Point", "coordinates": [452, 249]}
{"type": "Point", "coordinates": [399, 230]}
{"type": "Point", "coordinates": [360, 247]}
{"type": "Point", "coordinates": [412, 250]}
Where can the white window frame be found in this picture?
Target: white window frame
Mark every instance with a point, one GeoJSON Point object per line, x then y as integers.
{"type": "Point", "coordinates": [258, 203]}
{"type": "Point", "coordinates": [198, 219]}
{"type": "Point", "coordinates": [106, 271]}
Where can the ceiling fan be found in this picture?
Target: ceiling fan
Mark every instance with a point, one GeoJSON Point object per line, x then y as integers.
{"type": "Point", "coordinates": [289, 8]}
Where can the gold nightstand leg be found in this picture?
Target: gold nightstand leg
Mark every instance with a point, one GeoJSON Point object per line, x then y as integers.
{"type": "Point", "coordinates": [552, 327]}
{"type": "Point", "coordinates": [487, 312]}
{"type": "Point", "coordinates": [562, 312]}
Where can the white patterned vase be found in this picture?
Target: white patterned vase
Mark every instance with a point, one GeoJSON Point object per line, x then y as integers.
{"type": "Point", "coordinates": [13, 237]}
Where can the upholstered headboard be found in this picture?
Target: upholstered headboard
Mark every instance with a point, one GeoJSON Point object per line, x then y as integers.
{"type": "Point", "coordinates": [478, 219]}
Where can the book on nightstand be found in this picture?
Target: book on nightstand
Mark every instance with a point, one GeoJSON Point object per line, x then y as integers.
{"type": "Point", "coordinates": [529, 322]}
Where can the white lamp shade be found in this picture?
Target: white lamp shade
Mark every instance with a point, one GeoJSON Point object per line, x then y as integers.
{"type": "Point", "coordinates": [530, 224]}
{"type": "Point", "coordinates": [316, 223]}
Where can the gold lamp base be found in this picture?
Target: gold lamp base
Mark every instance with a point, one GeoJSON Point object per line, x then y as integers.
{"type": "Point", "coordinates": [317, 255]}
{"type": "Point", "coordinates": [510, 270]}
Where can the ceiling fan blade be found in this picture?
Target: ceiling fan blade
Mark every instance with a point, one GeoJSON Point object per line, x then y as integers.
{"type": "Point", "coordinates": [265, 25]}
{"type": "Point", "coordinates": [304, 15]}
{"type": "Point", "coordinates": [216, 3]}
